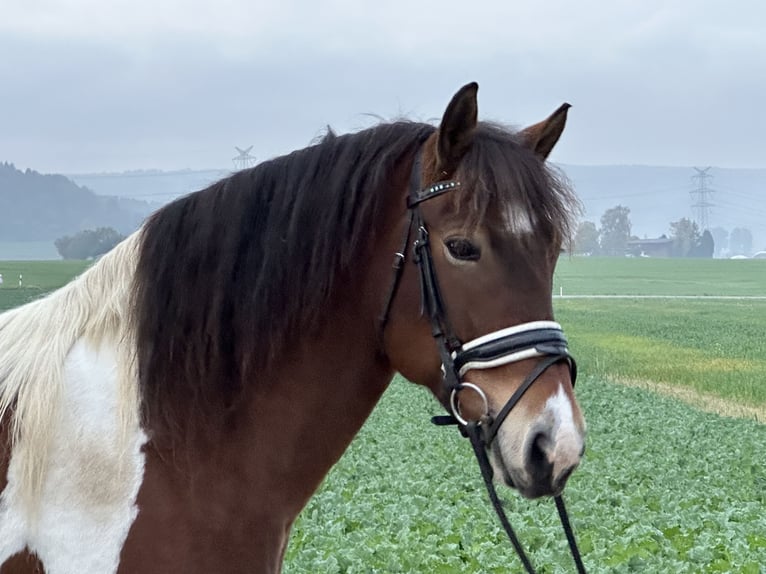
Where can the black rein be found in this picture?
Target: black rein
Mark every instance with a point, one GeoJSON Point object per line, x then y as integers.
{"type": "Point", "coordinates": [543, 341]}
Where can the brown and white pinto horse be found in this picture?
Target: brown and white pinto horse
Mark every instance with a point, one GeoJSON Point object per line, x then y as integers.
{"type": "Point", "coordinates": [173, 409]}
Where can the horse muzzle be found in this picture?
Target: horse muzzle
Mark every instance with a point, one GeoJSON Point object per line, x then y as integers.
{"type": "Point", "coordinates": [535, 447]}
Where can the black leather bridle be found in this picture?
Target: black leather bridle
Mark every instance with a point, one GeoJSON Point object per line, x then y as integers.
{"type": "Point", "coordinates": [544, 339]}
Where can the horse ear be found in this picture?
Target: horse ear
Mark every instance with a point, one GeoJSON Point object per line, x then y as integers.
{"type": "Point", "coordinates": [457, 128]}
{"type": "Point", "coordinates": [541, 137]}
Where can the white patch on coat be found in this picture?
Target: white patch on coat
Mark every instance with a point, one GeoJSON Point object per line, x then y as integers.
{"type": "Point", "coordinates": [93, 471]}
{"type": "Point", "coordinates": [69, 389]}
{"type": "Point", "coordinates": [35, 341]}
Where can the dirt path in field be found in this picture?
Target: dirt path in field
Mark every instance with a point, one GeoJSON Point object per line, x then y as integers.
{"type": "Point", "coordinates": [704, 402]}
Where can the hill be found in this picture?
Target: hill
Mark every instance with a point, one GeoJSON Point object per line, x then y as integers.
{"type": "Point", "coordinates": [655, 195]}
{"type": "Point", "coordinates": [152, 185]}
{"type": "Point", "coordinates": [39, 207]}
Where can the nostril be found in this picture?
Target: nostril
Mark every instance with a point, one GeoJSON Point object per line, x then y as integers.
{"type": "Point", "coordinates": [538, 451]}
{"type": "Point", "coordinates": [561, 480]}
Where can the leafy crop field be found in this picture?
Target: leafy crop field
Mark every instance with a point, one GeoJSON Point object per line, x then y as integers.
{"type": "Point", "coordinates": [663, 489]}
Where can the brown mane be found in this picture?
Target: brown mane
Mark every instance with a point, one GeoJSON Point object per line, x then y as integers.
{"type": "Point", "coordinates": [222, 280]}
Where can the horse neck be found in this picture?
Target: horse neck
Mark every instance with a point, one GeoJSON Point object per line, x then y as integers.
{"type": "Point", "coordinates": [328, 388]}
{"type": "Point", "coordinates": [300, 413]}
{"type": "Point", "coordinates": [296, 418]}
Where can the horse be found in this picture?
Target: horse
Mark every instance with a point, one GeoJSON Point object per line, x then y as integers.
{"type": "Point", "coordinates": [174, 407]}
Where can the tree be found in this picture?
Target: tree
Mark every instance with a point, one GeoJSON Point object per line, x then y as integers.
{"type": "Point", "coordinates": [88, 244]}
{"type": "Point", "coordinates": [740, 241]}
{"type": "Point", "coordinates": [721, 239]}
{"type": "Point", "coordinates": [586, 240]}
{"type": "Point", "coordinates": [705, 247]}
{"type": "Point", "coordinates": [615, 230]}
{"type": "Point", "coordinates": [685, 235]}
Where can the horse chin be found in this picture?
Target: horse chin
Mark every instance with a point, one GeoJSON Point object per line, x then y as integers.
{"type": "Point", "coordinates": [520, 480]}
{"type": "Point", "coordinates": [526, 488]}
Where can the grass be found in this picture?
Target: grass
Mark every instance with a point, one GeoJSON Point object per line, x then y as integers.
{"type": "Point", "coordinates": [38, 277]}
{"type": "Point", "coordinates": [663, 488]}
{"type": "Point", "coordinates": [642, 276]}
{"type": "Point", "coordinates": [706, 350]}
{"type": "Point", "coordinates": [714, 347]}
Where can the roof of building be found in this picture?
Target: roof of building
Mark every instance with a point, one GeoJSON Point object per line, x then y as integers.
{"type": "Point", "coordinates": [657, 241]}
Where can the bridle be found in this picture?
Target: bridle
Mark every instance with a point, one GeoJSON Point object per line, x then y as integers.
{"type": "Point", "coordinates": [537, 339]}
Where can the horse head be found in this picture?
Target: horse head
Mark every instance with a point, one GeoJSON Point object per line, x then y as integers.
{"type": "Point", "coordinates": [494, 217]}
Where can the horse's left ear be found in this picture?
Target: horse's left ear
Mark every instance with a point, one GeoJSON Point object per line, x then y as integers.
{"type": "Point", "coordinates": [457, 128]}
{"type": "Point", "coordinates": [541, 137]}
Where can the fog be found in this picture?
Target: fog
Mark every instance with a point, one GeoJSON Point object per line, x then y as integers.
{"type": "Point", "coordinates": [99, 87]}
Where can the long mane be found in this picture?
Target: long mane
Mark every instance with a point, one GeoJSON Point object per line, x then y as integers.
{"type": "Point", "coordinates": [227, 275]}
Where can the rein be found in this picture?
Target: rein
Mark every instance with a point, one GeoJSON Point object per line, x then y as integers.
{"type": "Point", "coordinates": [543, 339]}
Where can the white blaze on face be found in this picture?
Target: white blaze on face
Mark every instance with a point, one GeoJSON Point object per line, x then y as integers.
{"type": "Point", "coordinates": [519, 222]}
{"type": "Point", "coordinates": [91, 479]}
{"type": "Point", "coordinates": [566, 437]}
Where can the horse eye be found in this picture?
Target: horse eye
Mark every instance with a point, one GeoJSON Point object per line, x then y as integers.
{"type": "Point", "coordinates": [463, 249]}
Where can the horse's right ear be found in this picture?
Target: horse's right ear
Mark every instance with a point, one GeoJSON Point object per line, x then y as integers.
{"type": "Point", "coordinates": [457, 128]}
{"type": "Point", "coordinates": [542, 136]}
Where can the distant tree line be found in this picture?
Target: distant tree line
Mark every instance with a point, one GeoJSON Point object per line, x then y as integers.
{"type": "Point", "coordinates": [88, 244]}
{"type": "Point", "coordinates": [738, 242]}
{"type": "Point", "coordinates": [614, 237]}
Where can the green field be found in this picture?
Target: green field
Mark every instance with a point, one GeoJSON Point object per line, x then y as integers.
{"type": "Point", "coordinates": [640, 276]}
{"type": "Point", "coordinates": [663, 488]}
{"type": "Point", "coordinates": [717, 347]}
{"type": "Point", "coordinates": [37, 278]}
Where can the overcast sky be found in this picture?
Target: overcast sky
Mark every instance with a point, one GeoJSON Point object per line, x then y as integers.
{"type": "Point", "coordinates": [97, 85]}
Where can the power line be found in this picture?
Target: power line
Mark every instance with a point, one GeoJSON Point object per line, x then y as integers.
{"type": "Point", "coordinates": [750, 210]}
{"type": "Point", "coordinates": [701, 206]}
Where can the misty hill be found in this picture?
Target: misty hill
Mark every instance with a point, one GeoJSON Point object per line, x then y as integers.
{"type": "Point", "coordinates": [655, 195]}
{"type": "Point", "coordinates": [154, 186]}
{"type": "Point", "coordinates": [39, 207]}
